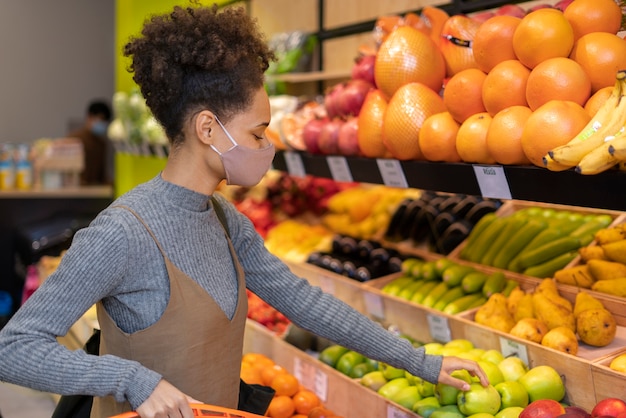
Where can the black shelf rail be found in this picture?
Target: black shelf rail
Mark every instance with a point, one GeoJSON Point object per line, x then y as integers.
{"type": "Point", "coordinates": [606, 190]}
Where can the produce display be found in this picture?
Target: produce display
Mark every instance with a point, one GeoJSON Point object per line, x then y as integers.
{"type": "Point", "coordinates": [290, 399]}
{"type": "Point", "coordinates": [438, 221]}
{"type": "Point", "coordinates": [547, 318]}
{"type": "Point", "coordinates": [603, 263]}
{"type": "Point", "coordinates": [534, 241]}
{"type": "Point", "coordinates": [296, 241]}
{"type": "Point", "coordinates": [445, 285]}
{"type": "Point", "coordinates": [261, 312]}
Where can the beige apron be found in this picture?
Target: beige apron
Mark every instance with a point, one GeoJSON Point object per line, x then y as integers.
{"type": "Point", "coordinates": [194, 345]}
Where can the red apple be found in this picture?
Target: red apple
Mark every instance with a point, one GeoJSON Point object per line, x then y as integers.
{"type": "Point", "coordinates": [540, 6]}
{"type": "Point", "coordinates": [577, 411]}
{"type": "Point", "coordinates": [311, 132]}
{"type": "Point", "coordinates": [328, 137]}
{"type": "Point", "coordinates": [610, 407]}
{"type": "Point", "coordinates": [543, 408]}
{"type": "Point", "coordinates": [482, 16]}
{"type": "Point", "coordinates": [511, 10]}
{"type": "Point", "coordinates": [562, 4]}
{"type": "Point", "coordinates": [348, 142]}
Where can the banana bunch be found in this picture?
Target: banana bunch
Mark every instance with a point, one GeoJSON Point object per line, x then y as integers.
{"type": "Point", "coordinates": [446, 286]}
{"type": "Point", "coordinates": [601, 144]}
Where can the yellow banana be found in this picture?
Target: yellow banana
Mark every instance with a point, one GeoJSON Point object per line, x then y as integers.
{"type": "Point", "coordinates": [617, 147]}
{"type": "Point", "coordinates": [598, 160]}
{"type": "Point", "coordinates": [553, 165]}
{"type": "Point", "coordinates": [606, 122]}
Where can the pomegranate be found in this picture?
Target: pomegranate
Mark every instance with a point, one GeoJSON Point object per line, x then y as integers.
{"type": "Point", "coordinates": [311, 132]}
{"type": "Point", "coordinates": [351, 98]}
{"type": "Point", "coordinates": [329, 136]}
{"type": "Point", "coordinates": [363, 68]}
{"type": "Point", "coordinates": [348, 140]}
{"type": "Point", "coordinates": [331, 100]}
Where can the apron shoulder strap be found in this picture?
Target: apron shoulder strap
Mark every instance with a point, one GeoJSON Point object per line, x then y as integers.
{"type": "Point", "coordinates": [219, 211]}
{"type": "Point", "coordinates": [144, 224]}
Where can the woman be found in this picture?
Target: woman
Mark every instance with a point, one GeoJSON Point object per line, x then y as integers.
{"type": "Point", "coordinates": [170, 293]}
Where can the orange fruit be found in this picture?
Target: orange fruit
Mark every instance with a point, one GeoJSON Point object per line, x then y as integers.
{"type": "Point", "coordinates": [436, 17]}
{"type": "Point", "coordinates": [305, 400]}
{"type": "Point", "coordinates": [250, 374]}
{"type": "Point", "coordinates": [505, 134]}
{"type": "Point", "coordinates": [285, 384]}
{"type": "Point", "coordinates": [456, 43]}
{"type": "Point", "coordinates": [557, 79]}
{"type": "Point", "coordinates": [587, 16]}
{"type": "Point", "coordinates": [281, 406]}
{"type": "Point", "coordinates": [542, 34]}
{"type": "Point", "coordinates": [505, 86]}
{"type": "Point", "coordinates": [493, 42]}
{"type": "Point", "coordinates": [269, 373]}
{"type": "Point", "coordinates": [437, 138]}
{"type": "Point", "coordinates": [406, 112]}
{"type": "Point", "coordinates": [258, 360]}
{"type": "Point", "coordinates": [408, 55]}
{"type": "Point", "coordinates": [463, 94]}
{"type": "Point", "coordinates": [370, 125]}
{"type": "Point", "coordinates": [596, 100]}
{"type": "Point", "coordinates": [471, 140]}
{"type": "Point", "coordinates": [551, 125]}
{"type": "Point", "coordinates": [601, 55]}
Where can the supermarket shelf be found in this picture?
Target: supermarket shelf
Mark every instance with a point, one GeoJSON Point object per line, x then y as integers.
{"type": "Point", "coordinates": [86, 192]}
{"type": "Point", "coordinates": [311, 76]}
{"type": "Point", "coordinates": [602, 191]}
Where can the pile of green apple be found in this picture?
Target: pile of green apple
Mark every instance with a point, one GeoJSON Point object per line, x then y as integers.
{"type": "Point", "coordinates": [513, 385]}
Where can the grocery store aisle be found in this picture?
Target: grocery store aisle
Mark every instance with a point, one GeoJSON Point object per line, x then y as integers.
{"type": "Point", "coordinates": [19, 402]}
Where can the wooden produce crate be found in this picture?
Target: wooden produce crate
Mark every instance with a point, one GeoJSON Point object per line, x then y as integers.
{"type": "Point", "coordinates": [574, 369]}
{"type": "Point", "coordinates": [335, 389]}
{"type": "Point", "coordinates": [607, 382]}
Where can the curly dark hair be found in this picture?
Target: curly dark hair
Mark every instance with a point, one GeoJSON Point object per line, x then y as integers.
{"type": "Point", "coordinates": [198, 58]}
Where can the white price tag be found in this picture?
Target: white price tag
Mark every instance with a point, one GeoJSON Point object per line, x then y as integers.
{"type": "Point", "coordinates": [492, 181]}
{"type": "Point", "coordinates": [327, 284]}
{"type": "Point", "coordinates": [311, 378]}
{"type": "Point", "coordinates": [395, 412]}
{"type": "Point", "coordinates": [295, 166]}
{"type": "Point", "coordinates": [510, 348]}
{"type": "Point", "coordinates": [391, 172]}
{"type": "Point", "coordinates": [339, 168]}
{"type": "Point", "coordinates": [439, 328]}
{"type": "Point", "coordinates": [374, 305]}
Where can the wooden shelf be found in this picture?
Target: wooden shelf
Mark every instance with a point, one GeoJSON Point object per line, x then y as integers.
{"type": "Point", "coordinates": [84, 192]}
{"type": "Point", "coordinates": [311, 76]}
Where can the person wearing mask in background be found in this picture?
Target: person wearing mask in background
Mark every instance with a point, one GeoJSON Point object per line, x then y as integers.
{"type": "Point", "coordinates": [167, 276]}
{"type": "Point", "coordinates": [96, 146]}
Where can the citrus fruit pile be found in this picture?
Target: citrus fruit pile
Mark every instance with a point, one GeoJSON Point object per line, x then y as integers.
{"type": "Point", "coordinates": [291, 399]}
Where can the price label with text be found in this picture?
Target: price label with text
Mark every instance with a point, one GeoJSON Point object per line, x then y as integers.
{"type": "Point", "coordinates": [311, 378]}
{"type": "Point", "coordinates": [510, 348]}
{"type": "Point", "coordinates": [391, 172]}
{"type": "Point", "coordinates": [339, 168]}
{"type": "Point", "coordinates": [295, 166]}
{"type": "Point", "coordinates": [492, 181]}
{"type": "Point", "coordinates": [439, 328]}
{"type": "Point", "coordinates": [374, 305]}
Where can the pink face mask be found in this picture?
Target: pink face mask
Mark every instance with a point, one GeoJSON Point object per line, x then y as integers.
{"type": "Point", "coordinates": [244, 166]}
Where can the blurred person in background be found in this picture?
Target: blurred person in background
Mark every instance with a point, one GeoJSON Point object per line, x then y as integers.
{"type": "Point", "coordinates": [96, 145]}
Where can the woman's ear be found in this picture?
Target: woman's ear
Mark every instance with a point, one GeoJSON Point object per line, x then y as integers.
{"type": "Point", "coordinates": [204, 124]}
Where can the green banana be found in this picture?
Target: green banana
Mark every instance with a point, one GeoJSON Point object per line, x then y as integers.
{"type": "Point", "coordinates": [435, 294]}
{"type": "Point", "coordinates": [407, 291]}
{"type": "Point", "coordinates": [480, 301]}
{"type": "Point", "coordinates": [473, 282]}
{"type": "Point", "coordinates": [495, 284]}
{"type": "Point", "coordinates": [463, 303]}
{"type": "Point", "coordinates": [547, 235]}
{"type": "Point", "coordinates": [453, 275]}
{"type": "Point", "coordinates": [396, 285]}
{"type": "Point", "coordinates": [513, 224]}
{"type": "Point", "coordinates": [517, 242]}
{"type": "Point", "coordinates": [591, 227]}
{"type": "Point", "coordinates": [482, 243]}
{"type": "Point", "coordinates": [479, 228]}
{"type": "Point", "coordinates": [549, 251]}
{"type": "Point", "coordinates": [548, 268]}
{"type": "Point", "coordinates": [421, 293]}
{"type": "Point", "coordinates": [450, 295]}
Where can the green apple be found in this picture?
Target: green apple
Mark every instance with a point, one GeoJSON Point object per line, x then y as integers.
{"type": "Point", "coordinates": [447, 394]}
{"type": "Point", "coordinates": [469, 355]}
{"type": "Point", "coordinates": [543, 382]}
{"type": "Point", "coordinates": [447, 411]}
{"type": "Point", "coordinates": [347, 361]}
{"type": "Point", "coordinates": [512, 393]}
{"type": "Point", "coordinates": [331, 354]}
{"type": "Point", "coordinates": [433, 348]}
{"type": "Point", "coordinates": [450, 351]}
{"type": "Point", "coordinates": [481, 415]}
{"type": "Point", "coordinates": [493, 356]}
{"type": "Point", "coordinates": [413, 380]}
{"type": "Point", "coordinates": [373, 380]}
{"type": "Point", "coordinates": [389, 389]}
{"type": "Point", "coordinates": [512, 368]}
{"type": "Point", "coordinates": [406, 397]}
{"type": "Point", "coordinates": [492, 371]}
{"type": "Point", "coordinates": [463, 344]}
{"type": "Point", "coordinates": [426, 388]}
{"type": "Point", "coordinates": [361, 370]}
{"type": "Point", "coordinates": [510, 412]}
{"type": "Point", "coordinates": [479, 398]}
{"type": "Point", "coordinates": [391, 372]}
{"type": "Point", "coordinates": [425, 406]}
{"type": "Point", "coordinates": [477, 351]}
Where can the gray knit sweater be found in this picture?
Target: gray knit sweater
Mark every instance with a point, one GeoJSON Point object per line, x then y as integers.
{"type": "Point", "coordinates": [116, 260]}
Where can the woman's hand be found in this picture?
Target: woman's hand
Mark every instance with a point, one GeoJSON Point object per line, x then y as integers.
{"type": "Point", "coordinates": [166, 401]}
{"type": "Point", "coordinates": [451, 363]}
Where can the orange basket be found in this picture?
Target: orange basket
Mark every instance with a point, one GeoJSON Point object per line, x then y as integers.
{"type": "Point", "coordinates": [203, 410]}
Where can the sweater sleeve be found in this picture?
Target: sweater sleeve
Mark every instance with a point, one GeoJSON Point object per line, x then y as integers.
{"type": "Point", "coordinates": [29, 352]}
{"type": "Point", "coordinates": [319, 312]}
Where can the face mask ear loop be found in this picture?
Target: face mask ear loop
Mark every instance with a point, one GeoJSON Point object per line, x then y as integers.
{"type": "Point", "coordinates": [227, 134]}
